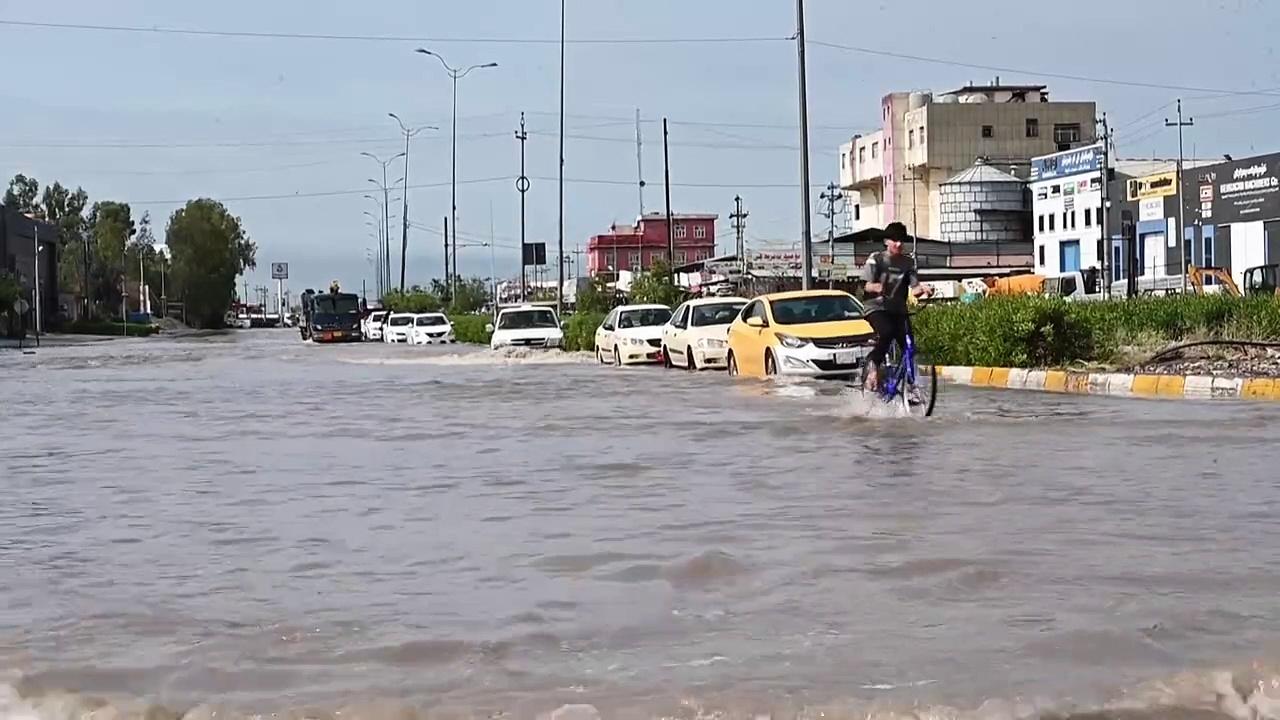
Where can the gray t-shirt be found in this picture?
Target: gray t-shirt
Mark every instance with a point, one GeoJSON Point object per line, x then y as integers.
{"type": "Point", "coordinates": [898, 274]}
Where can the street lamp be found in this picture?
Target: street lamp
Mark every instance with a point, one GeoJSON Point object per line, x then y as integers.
{"type": "Point", "coordinates": [404, 209]}
{"type": "Point", "coordinates": [455, 74]}
{"type": "Point", "coordinates": [386, 221]}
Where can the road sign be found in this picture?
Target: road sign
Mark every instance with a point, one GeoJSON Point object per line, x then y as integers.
{"type": "Point", "coordinates": [535, 254]}
{"type": "Point", "coordinates": [21, 306]}
{"type": "Point", "coordinates": [279, 271]}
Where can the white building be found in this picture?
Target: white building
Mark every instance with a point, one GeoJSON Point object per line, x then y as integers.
{"type": "Point", "coordinates": [1066, 213]}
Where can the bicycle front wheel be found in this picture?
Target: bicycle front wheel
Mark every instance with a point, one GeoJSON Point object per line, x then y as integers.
{"type": "Point", "coordinates": [925, 390]}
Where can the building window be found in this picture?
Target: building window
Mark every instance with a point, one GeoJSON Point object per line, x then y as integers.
{"type": "Point", "coordinates": [1064, 220]}
{"type": "Point", "coordinates": [862, 154]}
{"type": "Point", "coordinates": [1042, 230]}
{"type": "Point", "coordinates": [921, 134]}
{"type": "Point", "coordinates": [1051, 218]}
{"type": "Point", "coordinates": [843, 159]}
{"type": "Point", "coordinates": [1042, 247]}
{"type": "Point", "coordinates": [659, 256]}
{"type": "Point", "coordinates": [680, 232]}
{"type": "Point", "coordinates": [1088, 217]}
{"type": "Point", "coordinates": [988, 131]}
{"type": "Point", "coordinates": [1066, 134]}
{"type": "Point", "coordinates": [681, 258]}
{"type": "Point", "coordinates": [875, 150]}
{"type": "Point", "coordinates": [635, 261]}
{"type": "Point", "coordinates": [911, 139]}
{"type": "Point", "coordinates": [1033, 128]}
{"type": "Point", "coordinates": [857, 212]}
{"type": "Point", "coordinates": [611, 260]}
{"type": "Point", "coordinates": [1073, 219]}
{"type": "Point", "coordinates": [699, 231]}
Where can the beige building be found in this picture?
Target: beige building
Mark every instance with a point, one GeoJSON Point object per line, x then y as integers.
{"type": "Point", "coordinates": [897, 172]}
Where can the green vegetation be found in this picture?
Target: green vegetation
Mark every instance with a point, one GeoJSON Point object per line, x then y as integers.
{"type": "Point", "coordinates": [209, 249]}
{"type": "Point", "coordinates": [655, 286]}
{"type": "Point", "coordinates": [471, 328]}
{"type": "Point", "coordinates": [1038, 332]}
{"type": "Point", "coordinates": [414, 300]}
{"type": "Point", "coordinates": [103, 327]}
{"type": "Point", "coordinates": [580, 330]}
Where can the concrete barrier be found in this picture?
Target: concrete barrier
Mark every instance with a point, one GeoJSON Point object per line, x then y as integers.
{"type": "Point", "coordinates": [1191, 387]}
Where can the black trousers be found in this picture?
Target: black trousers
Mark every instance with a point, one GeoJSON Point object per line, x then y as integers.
{"type": "Point", "coordinates": [888, 328]}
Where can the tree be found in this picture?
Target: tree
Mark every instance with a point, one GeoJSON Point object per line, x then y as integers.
{"type": "Point", "coordinates": [153, 262]}
{"type": "Point", "coordinates": [414, 300]}
{"type": "Point", "coordinates": [594, 297]}
{"type": "Point", "coordinates": [656, 286]}
{"type": "Point", "coordinates": [65, 209]}
{"type": "Point", "coordinates": [208, 249]}
{"type": "Point", "coordinates": [22, 194]}
{"type": "Point", "coordinates": [470, 295]}
{"type": "Point", "coordinates": [110, 228]}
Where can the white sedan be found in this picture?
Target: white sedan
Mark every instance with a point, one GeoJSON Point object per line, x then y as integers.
{"type": "Point", "coordinates": [432, 329]}
{"type": "Point", "coordinates": [372, 325]}
{"type": "Point", "coordinates": [399, 328]}
{"type": "Point", "coordinates": [632, 334]}
{"type": "Point", "coordinates": [526, 326]}
{"type": "Point", "coordinates": [697, 336]}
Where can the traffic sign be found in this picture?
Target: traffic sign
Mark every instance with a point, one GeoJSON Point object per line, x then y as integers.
{"type": "Point", "coordinates": [280, 271]}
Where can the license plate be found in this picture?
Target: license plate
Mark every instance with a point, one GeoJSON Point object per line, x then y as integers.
{"type": "Point", "coordinates": [846, 357]}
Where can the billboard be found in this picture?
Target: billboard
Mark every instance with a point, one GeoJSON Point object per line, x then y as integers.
{"type": "Point", "coordinates": [534, 254]}
{"type": "Point", "coordinates": [1070, 162]}
{"type": "Point", "coordinates": [1236, 191]}
{"type": "Point", "coordinates": [279, 271]}
{"type": "Point", "coordinates": [1152, 186]}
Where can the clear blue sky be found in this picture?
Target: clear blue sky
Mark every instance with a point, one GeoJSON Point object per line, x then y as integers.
{"type": "Point", "coordinates": [311, 106]}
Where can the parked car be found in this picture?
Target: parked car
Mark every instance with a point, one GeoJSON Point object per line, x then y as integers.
{"type": "Point", "coordinates": [526, 326]}
{"type": "Point", "coordinates": [371, 326]}
{"type": "Point", "coordinates": [399, 328]}
{"type": "Point", "coordinates": [697, 336]}
{"type": "Point", "coordinates": [813, 333]}
{"type": "Point", "coordinates": [632, 334]}
{"type": "Point", "coordinates": [431, 329]}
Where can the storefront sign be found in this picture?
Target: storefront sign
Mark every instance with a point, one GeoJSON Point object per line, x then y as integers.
{"type": "Point", "coordinates": [1070, 162]}
{"type": "Point", "coordinates": [1238, 191]}
{"type": "Point", "coordinates": [1151, 209]}
{"type": "Point", "coordinates": [1153, 186]}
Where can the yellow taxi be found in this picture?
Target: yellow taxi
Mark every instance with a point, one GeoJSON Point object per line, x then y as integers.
{"type": "Point", "coordinates": [809, 333]}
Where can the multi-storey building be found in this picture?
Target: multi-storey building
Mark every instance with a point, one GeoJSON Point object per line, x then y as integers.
{"type": "Point", "coordinates": [637, 247]}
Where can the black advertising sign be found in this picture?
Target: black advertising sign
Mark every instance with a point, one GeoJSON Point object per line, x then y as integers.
{"type": "Point", "coordinates": [535, 254]}
{"type": "Point", "coordinates": [1235, 191]}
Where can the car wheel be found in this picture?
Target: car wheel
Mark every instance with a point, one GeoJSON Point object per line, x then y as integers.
{"type": "Point", "coordinates": [689, 362]}
{"type": "Point", "coordinates": [600, 356]}
{"type": "Point", "coordinates": [770, 365]}
{"type": "Point", "coordinates": [617, 357]}
{"type": "Point", "coordinates": [732, 365]}
{"type": "Point", "coordinates": [666, 358]}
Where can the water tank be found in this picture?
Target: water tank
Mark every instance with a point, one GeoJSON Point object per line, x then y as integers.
{"type": "Point", "coordinates": [973, 98]}
{"type": "Point", "coordinates": [983, 204]}
{"type": "Point", "coordinates": [917, 100]}
{"type": "Point", "coordinates": [948, 99]}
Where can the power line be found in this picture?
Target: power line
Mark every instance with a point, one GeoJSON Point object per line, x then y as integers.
{"type": "Point", "coordinates": [381, 38]}
{"type": "Point", "coordinates": [1041, 73]}
{"type": "Point", "coordinates": [709, 146]}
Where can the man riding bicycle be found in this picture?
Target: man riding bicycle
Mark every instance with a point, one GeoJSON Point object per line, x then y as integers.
{"type": "Point", "coordinates": [890, 277]}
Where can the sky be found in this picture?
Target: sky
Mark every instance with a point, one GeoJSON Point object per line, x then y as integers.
{"type": "Point", "coordinates": [274, 126]}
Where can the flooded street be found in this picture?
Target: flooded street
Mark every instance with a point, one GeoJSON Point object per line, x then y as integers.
{"type": "Point", "coordinates": [254, 522]}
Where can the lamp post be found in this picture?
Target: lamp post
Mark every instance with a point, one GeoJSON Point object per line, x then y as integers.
{"type": "Point", "coordinates": [386, 220]}
{"type": "Point", "coordinates": [455, 74]}
{"type": "Point", "coordinates": [404, 208]}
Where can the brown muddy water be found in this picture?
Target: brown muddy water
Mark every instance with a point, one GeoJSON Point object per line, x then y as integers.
{"type": "Point", "coordinates": [250, 524]}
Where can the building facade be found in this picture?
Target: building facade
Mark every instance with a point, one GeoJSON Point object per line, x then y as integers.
{"type": "Point", "coordinates": [638, 247]}
{"type": "Point", "coordinates": [1233, 214]}
{"type": "Point", "coordinates": [896, 173]}
{"type": "Point", "coordinates": [19, 238]}
{"type": "Point", "coordinates": [1066, 209]}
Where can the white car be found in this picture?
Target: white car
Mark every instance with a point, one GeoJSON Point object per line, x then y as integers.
{"type": "Point", "coordinates": [697, 336]}
{"type": "Point", "coordinates": [632, 334]}
{"type": "Point", "coordinates": [432, 329]}
{"type": "Point", "coordinates": [526, 326]}
{"type": "Point", "coordinates": [372, 325]}
{"type": "Point", "coordinates": [399, 328]}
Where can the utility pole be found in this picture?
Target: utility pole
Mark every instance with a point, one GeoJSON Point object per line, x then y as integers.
{"type": "Point", "coordinates": [560, 242]}
{"type": "Point", "coordinates": [522, 186]}
{"type": "Point", "coordinates": [1182, 205]}
{"type": "Point", "coordinates": [739, 218]}
{"type": "Point", "coordinates": [666, 181]}
{"type": "Point", "coordinates": [806, 231]}
{"type": "Point", "coordinates": [447, 286]}
{"type": "Point", "coordinates": [1105, 260]}
{"type": "Point", "coordinates": [831, 196]}
{"type": "Point", "coordinates": [640, 162]}
{"type": "Point", "coordinates": [35, 227]}
{"type": "Point", "coordinates": [404, 207]}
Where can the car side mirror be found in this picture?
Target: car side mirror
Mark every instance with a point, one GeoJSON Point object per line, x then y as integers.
{"type": "Point", "coordinates": [488, 327]}
{"type": "Point", "coordinates": [755, 322]}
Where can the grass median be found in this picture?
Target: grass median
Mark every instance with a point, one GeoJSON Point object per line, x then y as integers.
{"type": "Point", "coordinates": [1040, 332]}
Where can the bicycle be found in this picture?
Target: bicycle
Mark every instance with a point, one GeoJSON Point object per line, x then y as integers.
{"type": "Point", "coordinates": [901, 376]}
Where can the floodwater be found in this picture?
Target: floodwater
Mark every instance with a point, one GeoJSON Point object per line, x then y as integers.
{"type": "Point", "coordinates": [251, 523]}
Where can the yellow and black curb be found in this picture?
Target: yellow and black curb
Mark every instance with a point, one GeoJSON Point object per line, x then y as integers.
{"type": "Point", "coordinates": [1189, 387]}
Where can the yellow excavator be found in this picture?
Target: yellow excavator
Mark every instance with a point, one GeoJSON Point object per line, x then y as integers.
{"type": "Point", "coordinates": [1197, 275]}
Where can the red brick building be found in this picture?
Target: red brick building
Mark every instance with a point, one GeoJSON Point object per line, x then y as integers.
{"type": "Point", "coordinates": [637, 247]}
